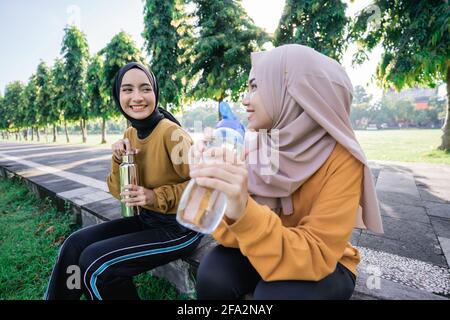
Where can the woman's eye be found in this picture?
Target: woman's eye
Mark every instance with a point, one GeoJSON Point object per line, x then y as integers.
{"type": "Point", "coordinates": [253, 86]}
{"type": "Point", "coordinates": [126, 90]}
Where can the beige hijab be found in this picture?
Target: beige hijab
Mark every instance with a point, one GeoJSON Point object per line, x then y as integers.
{"type": "Point", "coordinates": [308, 97]}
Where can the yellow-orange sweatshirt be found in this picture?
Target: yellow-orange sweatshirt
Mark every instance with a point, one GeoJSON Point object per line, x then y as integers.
{"type": "Point", "coordinates": [157, 171]}
{"type": "Point", "coordinates": [307, 244]}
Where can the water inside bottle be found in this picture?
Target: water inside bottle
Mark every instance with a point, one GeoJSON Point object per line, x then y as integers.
{"type": "Point", "coordinates": [201, 209]}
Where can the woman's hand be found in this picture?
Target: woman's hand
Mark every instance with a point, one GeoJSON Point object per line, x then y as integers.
{"type": "Point", "coordinates": [137, 196]}
{"type": "Point", "coordinates": [223, 171]}
{"type": "Point", "coordinates": [122, 147]}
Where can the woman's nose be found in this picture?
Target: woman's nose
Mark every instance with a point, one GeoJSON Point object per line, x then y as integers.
{"type": "Point", "coordinates": [137, 97]}
{"type": "Point", "coordinates": [246, 100]}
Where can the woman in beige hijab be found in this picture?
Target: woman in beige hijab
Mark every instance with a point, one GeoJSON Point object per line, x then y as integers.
{"type": "Point", "coordinates": [289, 219]}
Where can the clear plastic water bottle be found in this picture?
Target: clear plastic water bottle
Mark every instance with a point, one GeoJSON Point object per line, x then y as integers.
{"type": "Point", "coordinates": [201, 209]}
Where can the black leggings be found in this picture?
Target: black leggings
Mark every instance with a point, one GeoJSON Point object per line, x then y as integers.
{"type": "Point", "coordinates": [224, 273]}
{"type": "Point", "coordinates": [108, 255]}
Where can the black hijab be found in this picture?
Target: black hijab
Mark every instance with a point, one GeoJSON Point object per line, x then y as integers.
{"type": "Point", "coordinates": [145, 126]}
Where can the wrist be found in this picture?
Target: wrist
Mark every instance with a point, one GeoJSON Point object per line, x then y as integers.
{"type": "Point", "coordinates": [236, 214]}
{"type": "Point", "coordinates": [150, 197]}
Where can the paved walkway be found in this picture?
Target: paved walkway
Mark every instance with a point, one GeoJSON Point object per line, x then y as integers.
{"type": "Point", "coordinates": [410, 261]}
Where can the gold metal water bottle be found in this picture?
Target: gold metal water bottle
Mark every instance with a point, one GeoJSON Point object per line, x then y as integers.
{"type": "Point", "coordinates": [128, 175]}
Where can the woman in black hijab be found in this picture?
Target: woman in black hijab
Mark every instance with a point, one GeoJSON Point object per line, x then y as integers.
{"type": "Point", "coordinates": [143, 126]}
{"type": "Point", "coordinates": [108, 255]}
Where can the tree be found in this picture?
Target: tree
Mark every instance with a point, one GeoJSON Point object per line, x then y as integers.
{"type": "Point", "coordinates": [359, 115]}
{"type": "Point", "coordinates": [76, 54]}
{"type": "Point", "coordinates": [226, 37]}
{"type": "Point", "coordinates": [167, 35]}
{"type": "Point", "coordinates": [30, 108]}
{"type": "Point", "coordinates": [97, 95]}
{"type": "Point", "coordinates": [58, 103]}
{"type": "Point", "coordinates": [118, 52]}
{"type": "Point", "coordinates": [44, 101]}
{"type": "Point", "coordinates": [2, 116]}
{"type": "Point", "coordinates": [11, 102]}
{"type": "Point", "coordinates": [415, 38]}
{"type": "Point", "coordinates": [319, 24]}
{"type": "Point", "coordinates": [360, 95]}
{"type": "Point", "coordinates": [401, 111]}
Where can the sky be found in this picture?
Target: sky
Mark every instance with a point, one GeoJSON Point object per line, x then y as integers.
{"type": "Point", "coordinates": [31, 31]}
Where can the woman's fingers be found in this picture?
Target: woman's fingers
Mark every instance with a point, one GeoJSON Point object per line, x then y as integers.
{"type": "Point", "coordinates": [138, 201]}
{"type": "Point", "coordinates": [218, 155]}
{"type": "Point", "coordinates": [218, 173]}
{"type": "Point", "coordinates": [131, 193]}
{"type": "Point", "coordinates": [123, 147]}
{"type": "Point", "coordinates": [232, 168]}
{"type": "Point", "coordinates": [132, 190]}
{"type": "Point", "coordinates": [127, 145]}
{"type": "Point", "coordinates": [131, 187]}
{"type": "Point", "coordinates": [231, 190]}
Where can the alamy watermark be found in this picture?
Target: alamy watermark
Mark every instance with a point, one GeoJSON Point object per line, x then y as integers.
{"type": "Point", "coordinates": [373, 281]}
{"type": "Point", "coordinates": [74, 15]}
{"type": "Point", "coordinates": [74, 279]}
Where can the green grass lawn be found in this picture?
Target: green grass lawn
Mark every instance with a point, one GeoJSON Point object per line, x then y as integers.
{"type": "Point", "coordinates": [30, 235]}
{"type": "Point", "coordinates": [411, 145]}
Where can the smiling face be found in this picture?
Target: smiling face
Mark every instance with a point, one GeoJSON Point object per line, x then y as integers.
{"type": "Point", "coordinates": [257, 114]}
{"type": "Point", "coordinates": [137, 97]}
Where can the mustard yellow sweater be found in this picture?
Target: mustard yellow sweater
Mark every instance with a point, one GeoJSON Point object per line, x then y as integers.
{"type": "Point", "coordinates": [307, 244]}
{"type": "Point", "coordinates": [157, 165]}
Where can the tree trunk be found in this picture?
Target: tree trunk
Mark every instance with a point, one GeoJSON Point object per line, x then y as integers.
{"type": "Point", "coordinates": [218, 109]}
{"type": "Point", "coordinates": [65, 130]}
{"type": "Point", "coordinates": [83, 130]}
{"type": "Point", "coordinates": [446, 128]}
{"type": "Point", "coordinates": [46, 133]}
{"type": "Point", "coordinates": [55, 133]}
{"type": "Point", "coordinates": [25, 134]}
{"type": "Point", "coordinates": [32, 134]}
{"type": "Point", "coordinates": [38, 136]}
{"type": "Point", "coordinates": [103, 130]}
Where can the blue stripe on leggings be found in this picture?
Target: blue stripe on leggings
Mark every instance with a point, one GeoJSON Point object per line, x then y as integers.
{"type": "Point", "coordinates": [135, 255]}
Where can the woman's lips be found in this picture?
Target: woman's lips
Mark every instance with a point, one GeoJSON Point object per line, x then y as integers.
{"type": "Point", "coordinates": [138, 108]}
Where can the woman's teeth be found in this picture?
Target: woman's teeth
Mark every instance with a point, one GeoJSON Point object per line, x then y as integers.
{"type": "Point", "coordinates": [137, 108]}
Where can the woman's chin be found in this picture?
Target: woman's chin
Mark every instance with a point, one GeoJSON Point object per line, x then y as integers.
{"type": "Point", "coordinates": [253, 126]}
{"type": "Point", "coordinates": [140, 115]}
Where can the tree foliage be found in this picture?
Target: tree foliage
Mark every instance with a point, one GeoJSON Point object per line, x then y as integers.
{"type": "Point", "coordinates": [319, 24]}
{"type": "Point", "coordinates": [167, 35]}
{"type": "Point", "coordinates": [221, 54]}
{"type": "Point", "coordinates": [415, 36]}
{"type": "Point", "coordinates": [117, 53]}
{"type": "Point", "coordinates": [76, 54]}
